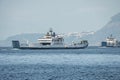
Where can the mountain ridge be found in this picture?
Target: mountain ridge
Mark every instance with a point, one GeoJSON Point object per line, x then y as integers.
{"type": "Point", "coordinates": [94, 38]}
{"type": "Point", "coordinates": [112, 27]}
{"type": "Point", "coordinates": [33, 37]}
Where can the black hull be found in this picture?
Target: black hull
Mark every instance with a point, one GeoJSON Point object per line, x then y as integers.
{"type": "Point", "coordinates": [55, 48]}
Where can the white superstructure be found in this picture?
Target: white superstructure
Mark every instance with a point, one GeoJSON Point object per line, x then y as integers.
{"type": "Point", "coordinates": [111, 42]}
{"type": "Point", "coordinates": [51, 39]}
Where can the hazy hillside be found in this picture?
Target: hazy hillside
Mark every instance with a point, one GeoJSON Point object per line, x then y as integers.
{"type": "Point", "coordinates": [112, 27]}
{"type": "Point", "coordinates": [33, 37]}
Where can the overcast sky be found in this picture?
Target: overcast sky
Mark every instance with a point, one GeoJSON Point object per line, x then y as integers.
{"type": "Point", "coordinates": [36, 16]}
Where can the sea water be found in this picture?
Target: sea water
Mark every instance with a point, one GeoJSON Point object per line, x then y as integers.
{"type": "Point", "coordinates": [93, 63]}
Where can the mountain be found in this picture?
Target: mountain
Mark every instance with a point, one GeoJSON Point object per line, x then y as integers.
{"type": "Point", "coordinates": [94, 38]}
{"type": "Point", "coordinates": [32, 37]}
{"type": "Point", "coordinates": [112, 27]}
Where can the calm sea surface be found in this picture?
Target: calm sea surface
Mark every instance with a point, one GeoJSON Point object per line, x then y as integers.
{"type": "Point", "coordinates": [92, 63]}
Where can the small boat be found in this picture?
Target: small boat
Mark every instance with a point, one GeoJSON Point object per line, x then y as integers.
{"type": "Point", "coordinates": [110, 42]}
{"type": "Point", "coordinates": [50, 41]}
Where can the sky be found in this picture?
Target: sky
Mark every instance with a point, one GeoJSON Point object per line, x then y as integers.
{"type": "Point", "coordinates": [38, 16]}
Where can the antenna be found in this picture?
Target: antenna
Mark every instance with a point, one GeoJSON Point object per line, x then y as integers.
{"type": "Point", "coordinates": [111, 35]}
{"type": "Point", "coordinates": [50, 31]}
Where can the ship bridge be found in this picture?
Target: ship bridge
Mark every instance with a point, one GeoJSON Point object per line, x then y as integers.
{"type": "Point", "coordinates": [51, 39]}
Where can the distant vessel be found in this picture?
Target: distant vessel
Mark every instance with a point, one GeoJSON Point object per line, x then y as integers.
{"type": "Point", "coordinates": [50, 41]}
{"type": "Point", "coordinates": [110, 42]}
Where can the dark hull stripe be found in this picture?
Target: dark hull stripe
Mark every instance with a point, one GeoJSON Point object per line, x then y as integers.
{"type": "Point", "coordinates": [53, 48]}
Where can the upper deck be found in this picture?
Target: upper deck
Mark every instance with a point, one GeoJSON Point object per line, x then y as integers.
{"type": "Point", "coordinates": [51, 39]}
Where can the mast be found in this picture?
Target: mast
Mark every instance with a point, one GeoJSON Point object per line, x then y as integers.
{"type": "Point", "coordinates": [51, 31]}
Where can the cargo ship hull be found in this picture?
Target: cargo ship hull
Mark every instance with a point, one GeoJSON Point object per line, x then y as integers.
{"type": "Point", "coordinates": [55, 48]}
